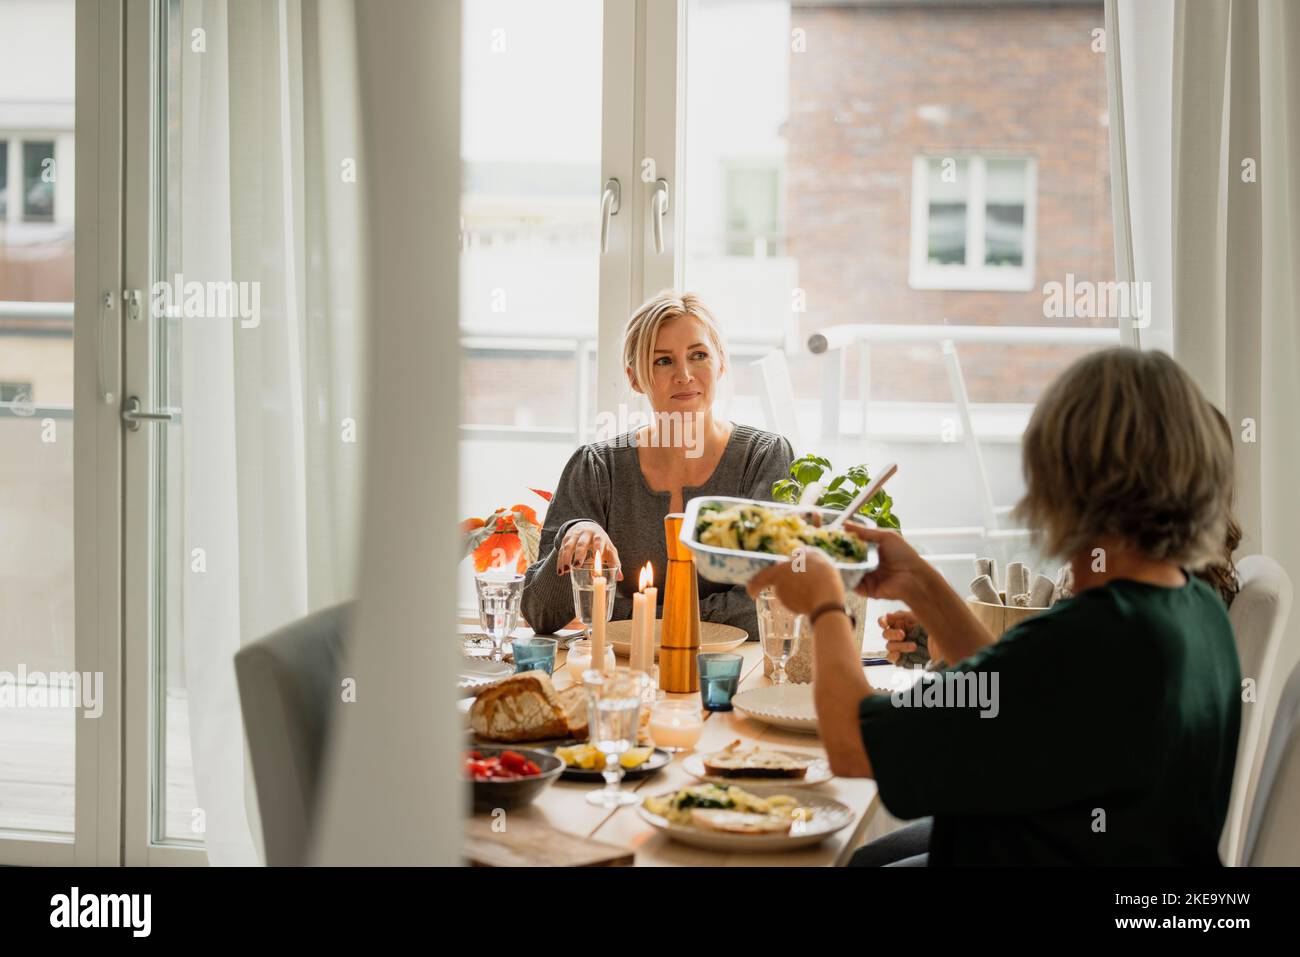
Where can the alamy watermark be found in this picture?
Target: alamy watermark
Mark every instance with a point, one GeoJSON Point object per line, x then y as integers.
{"type": "Point", "coordinates": [54, 689]}
{"type": "Point", "coordinates": [1085, 299]}
{"type": "Point", "coordinates": [949, 689]}
{"type": "Point", "coordinates": [208, 300]}
{"type": "Point", "coordinates": [678, 430]}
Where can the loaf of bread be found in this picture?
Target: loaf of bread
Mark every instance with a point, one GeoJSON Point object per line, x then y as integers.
{"type": "Point", "coordinates": [526, 707]}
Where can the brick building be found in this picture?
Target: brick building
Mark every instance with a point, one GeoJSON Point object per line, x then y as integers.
{"type": "Point", "coordinates": [884, 94]}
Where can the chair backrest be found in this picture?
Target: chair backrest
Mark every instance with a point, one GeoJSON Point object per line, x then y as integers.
{"type": "Point", "coordinates": [1273, 830]}
{"type": "Point", "coordinates": [778, 398]}
{"type": "Point", "coordinates": [1259, 615]}
{"type": "Point", "coordinates": [288, 692]}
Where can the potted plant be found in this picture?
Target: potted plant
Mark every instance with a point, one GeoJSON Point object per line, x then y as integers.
{"type": "Point", "coordinates": [507, 536]}
{"type": "Point", "coordinates": [805, 479]}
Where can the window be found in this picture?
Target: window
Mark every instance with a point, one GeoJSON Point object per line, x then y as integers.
{"type": "Point", "coordinates": [39, 787]}
{"type": "Point", "coordinates": [972, 223]}
{"type": "Point", "coordinates": [32, 194]}
{"type": "Point", "coordinates": [907, 176]}
{"type": "Point", "coordinates": [15, 391]}
{"type": "Point", "coordinates": [753, 210]}
{"type": "Point", "coordinates": [38, 181]}
{"type": "Point", "coordinates": [530, 246]}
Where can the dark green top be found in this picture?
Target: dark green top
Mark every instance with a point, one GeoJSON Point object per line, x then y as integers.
{"type": "Point", "coordinates": [1113, 741]}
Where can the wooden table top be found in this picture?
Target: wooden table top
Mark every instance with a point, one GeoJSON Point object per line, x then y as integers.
{"type": "Point", "coordinates": [564, 805]}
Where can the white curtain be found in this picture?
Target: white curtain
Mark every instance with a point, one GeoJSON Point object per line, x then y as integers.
{"type": "Point", "coordinates": [1211, 99]}
{"type": "Point", "coordinates": [271, 447]}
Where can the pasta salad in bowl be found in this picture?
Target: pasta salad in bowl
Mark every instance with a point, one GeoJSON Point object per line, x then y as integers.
{"type": "Point", "coordinates": [733, 539]}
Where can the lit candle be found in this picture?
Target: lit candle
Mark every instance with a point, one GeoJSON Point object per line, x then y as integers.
{"type": "Point", "coordinates": [597, 616]}
{"type": "Point", "coordinates": [636, 657]}
{"type": "Point", "coordinates": [647, 636]}
{"type": "Point", "coordinates": [676, 725]}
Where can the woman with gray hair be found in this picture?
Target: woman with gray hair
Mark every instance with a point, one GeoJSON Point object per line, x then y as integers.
{"type": "Point", "coordinates": [613, 495]}
{"type": "Point", "coordinates": [1102, 731]}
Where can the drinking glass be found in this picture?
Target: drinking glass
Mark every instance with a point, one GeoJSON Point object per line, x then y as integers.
{"type": "Point", "coordinates": [580, 577]}
{"type": "Point", "coordinates": [719, 678]}
{"type": "Point", "coordinates": [534, 654]}
{"type": "Point", "coordinates": [498, 606]}
{"type": "Point", "coordinates": [778, 630]}
{"type": "Point", "coordinates": [613, 718]}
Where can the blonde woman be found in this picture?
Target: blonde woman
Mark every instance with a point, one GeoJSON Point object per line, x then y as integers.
{"type": "Point", "coordinates": [1111, 730]}
{"type": "Point", "coordinates": [613, 495]}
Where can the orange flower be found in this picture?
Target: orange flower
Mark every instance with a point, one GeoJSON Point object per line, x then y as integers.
{"type": "Point", "coordinates": [508, 535]}
{"type": "Point", "coordinates": [498, 550]}
{"type": "Point", "coordinates": [526, 512]}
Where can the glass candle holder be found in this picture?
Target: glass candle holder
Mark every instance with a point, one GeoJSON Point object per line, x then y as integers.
{"type": "Point", "coordinates": [578, 659]}
{"type": "Point", "coordinates": [719, 678]}
{"type": "Point", "coordinates": [676, 725]}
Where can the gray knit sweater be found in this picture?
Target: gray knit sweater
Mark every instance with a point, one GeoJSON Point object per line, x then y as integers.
{"type": "Point", "coordinates": [603, 483]}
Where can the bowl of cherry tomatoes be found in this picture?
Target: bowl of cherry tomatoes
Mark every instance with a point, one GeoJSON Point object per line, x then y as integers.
{"type": "Point", "coordinates": [508, 777]}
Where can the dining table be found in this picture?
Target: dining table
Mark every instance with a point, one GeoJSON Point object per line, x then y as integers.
{"type": "Point", "coordinates": [564, 806]}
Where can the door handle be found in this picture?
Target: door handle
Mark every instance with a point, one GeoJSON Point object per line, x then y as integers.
{"type": "Point", "coordinates": [133, 416]}
{"type": "Point", "coordinates": [658, 210]}
{"type": "Point", "coordinates": [610, 201]}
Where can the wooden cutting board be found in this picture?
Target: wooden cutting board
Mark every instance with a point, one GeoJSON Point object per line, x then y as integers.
{"type": "Point", "coordinates": [526, 843]}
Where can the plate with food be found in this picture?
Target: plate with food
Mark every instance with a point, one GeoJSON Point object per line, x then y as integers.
{"type": "Point", "coordinates": [735, 764]}
{"type": "Point", "coordinates": [733, 539]}
{"type": "Point", "coordinates": [508, 777]}
{"type": "Point", "coordinates": [787, 706]}
{"type": "Point", "coordinates": [585, 762]}
{"type": "Point", "coordinates": [729, 817]}
{"type": "Point", "coordinates": [714, 636]}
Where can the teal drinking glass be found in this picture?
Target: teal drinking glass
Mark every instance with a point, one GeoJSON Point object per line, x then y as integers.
{"type": "Point", "coordinates": [534, 654]}
{"type": "Point", "coordinates": [719, 677]}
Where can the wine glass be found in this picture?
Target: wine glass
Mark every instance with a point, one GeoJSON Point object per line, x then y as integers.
{"type": "Point", "coordinates": [581, 578]}
{"type": "Point", "coordinates": [498, 606]}
{"type": "Point", "coordinates": [778, 630]}
{"type": "Point", "coordinates": [613, 719]}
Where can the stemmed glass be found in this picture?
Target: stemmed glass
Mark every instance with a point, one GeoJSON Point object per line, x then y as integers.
{"type": "Point", "coordinates": [613, 719]}
{"type": "Point", "coordinates": [580, 577]}
{"type": "Point", "coordinates": [778, 629]}
{"type": "Point", "coordinates": [498, 606]}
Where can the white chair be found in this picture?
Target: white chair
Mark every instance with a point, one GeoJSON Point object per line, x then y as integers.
{"type": "Point", "coordinates": [1259, 616]}
{"type": "Point", "coordinates": [1273, 834]}
{"type": "Point", "coordinates": [777, 396]}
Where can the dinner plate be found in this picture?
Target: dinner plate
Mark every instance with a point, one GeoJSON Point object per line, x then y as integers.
{"type": "Point", "coordinates": [714, 637]}
{"type": "Point", "coordinates": [819, 772]}
{"type": "Point", "coordinates": [730, 566]}
{"type": "Point", "coordinates": [658, 760]}
{"type": "Point", "coordinates": [785, 706]}
{"type": "Point", "coordinates": [828, 817]}
{"type": "Point", "coordinates": [474, 673]}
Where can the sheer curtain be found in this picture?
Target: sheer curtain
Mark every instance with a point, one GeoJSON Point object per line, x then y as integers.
{"type": "Point", "coordinates": [1212, 122]}
{"type": "Point", "coordinates": [271, 446]}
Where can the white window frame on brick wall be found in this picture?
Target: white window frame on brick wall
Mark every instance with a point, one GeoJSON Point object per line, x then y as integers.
{"type": "Point", "coordinates": [974, 275]}
{"type": "Point", "coordinates": [12, 141]}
